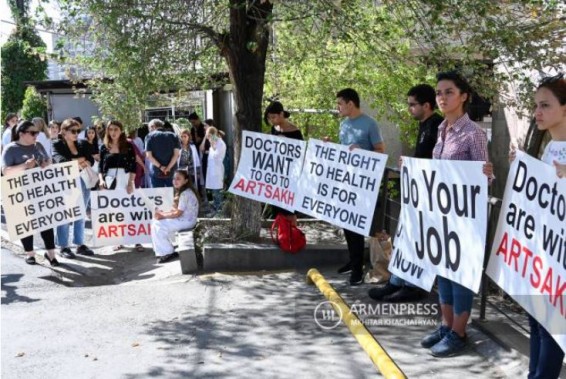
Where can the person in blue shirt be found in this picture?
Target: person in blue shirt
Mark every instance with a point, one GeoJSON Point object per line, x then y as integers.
{"type": "Point", "coordinates": [358, 131]}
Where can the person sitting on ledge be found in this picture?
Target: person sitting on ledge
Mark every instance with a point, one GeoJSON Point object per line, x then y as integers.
{"type": "Point", "coordinates": [183, 215]}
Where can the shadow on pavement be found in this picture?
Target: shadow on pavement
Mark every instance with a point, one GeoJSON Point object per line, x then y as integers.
{"type": "Point", "coordinates": [211, 342]}
{"type": "Point", "coordinates": [11, 294]}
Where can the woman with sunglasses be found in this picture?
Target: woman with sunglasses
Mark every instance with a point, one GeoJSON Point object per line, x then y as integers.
{"type": "Point", "coordinates": [67, 149]}
{"type": "Point", "coordinates": [22, 154]}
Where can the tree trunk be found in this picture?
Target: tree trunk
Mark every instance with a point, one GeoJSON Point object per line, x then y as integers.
{"type": "Point", "coordinates": [245, 51]}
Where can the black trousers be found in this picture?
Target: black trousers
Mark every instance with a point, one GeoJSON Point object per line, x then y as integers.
{"type": "Point", "coordinates": [356, 244]}
{"type": "Point", "coordinates": [48, 238]}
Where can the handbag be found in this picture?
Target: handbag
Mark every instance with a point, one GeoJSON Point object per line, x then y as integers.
{"type": "Point", "coordinates": [289, 238]}
{"type": "Point", "coordinates": [89, 177]}
{"type": "Point", "coordinates": [117, 181]}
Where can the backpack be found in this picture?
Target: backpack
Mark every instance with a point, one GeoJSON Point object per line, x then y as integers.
{"type": "Point", "coordinates": [289, 238]}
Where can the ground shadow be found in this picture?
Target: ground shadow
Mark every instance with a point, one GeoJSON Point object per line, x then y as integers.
{"type": "Point", "coordinates": [11, 294]}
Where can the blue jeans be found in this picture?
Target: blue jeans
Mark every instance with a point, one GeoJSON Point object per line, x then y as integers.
{"type": "Point", "coordinates": [78, 225]}
{"type": "Point", "coordinates": [161, 182]}
{"type": "Point", "coordinates": [397, 281]}
{"type": "Point", "coordinates": [217, 199]}
{"type": "Point", "coordinates": [456, 295]}
{"type": "Point", "coordinates": [546, 355]}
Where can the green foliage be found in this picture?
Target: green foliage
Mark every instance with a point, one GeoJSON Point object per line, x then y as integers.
{"type": "Point", "coordinates": [358, 47]}
{"type": "Point", "coordinates": [382, 51]}
{"type": "Point", "coordinates": [139, 50]}
{"type": "Point", "coordinates": [34, 104]}
{"type": "Point", "coordinates": [22, 60]}
{"type": "Point", "coordinates": [499, 45]}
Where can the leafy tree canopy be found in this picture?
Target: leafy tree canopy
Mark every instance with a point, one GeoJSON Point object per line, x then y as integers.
{"type": "Point", "coordinates": [34, 104]}
{"type": "Point", "coordinates": [23, 59]}
{"type": "Point", "coordinates": [304, 51]}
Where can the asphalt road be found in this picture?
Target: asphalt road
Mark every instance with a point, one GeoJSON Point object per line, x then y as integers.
{"type": "Point", "coordinates": [169, 325]}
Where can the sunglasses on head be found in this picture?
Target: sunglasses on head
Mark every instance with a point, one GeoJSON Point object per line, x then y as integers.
{"type": "Point", "coordinates": [31, 132]}
{"type": "Point", "coordinates": [552, 79]}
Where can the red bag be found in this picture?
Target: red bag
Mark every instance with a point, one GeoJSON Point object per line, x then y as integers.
{"type": "Point", "coordinates": [289, 238]}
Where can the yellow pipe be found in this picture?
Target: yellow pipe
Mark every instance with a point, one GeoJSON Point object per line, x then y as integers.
{"type": "Point", "coordinates": [377, 354]}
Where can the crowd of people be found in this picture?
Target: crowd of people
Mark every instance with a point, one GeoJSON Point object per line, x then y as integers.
{"type": "Point", "coordinates": [192, 162]}
{"type": "Point", "coordinates": [118, 160]}
{"type": "Point", "coordinates": [455, 137]}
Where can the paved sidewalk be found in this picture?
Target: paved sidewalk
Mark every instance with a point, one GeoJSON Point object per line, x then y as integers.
{"type": "Point", "coordinates": [120, 315]}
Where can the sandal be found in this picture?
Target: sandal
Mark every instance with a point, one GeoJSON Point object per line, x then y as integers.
{"type": "Point", "coordinates": [117, 248]}
{"type": "Point", "coordinates": [139, 248]}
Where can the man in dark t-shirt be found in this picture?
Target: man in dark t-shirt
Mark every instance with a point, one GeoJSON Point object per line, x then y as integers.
{"type": "Point", "coordinates": [197, 130]}
{"type": "Point", "coordinates": [421, 103]}
{"type": "Point", "coordinates": [162, 149]}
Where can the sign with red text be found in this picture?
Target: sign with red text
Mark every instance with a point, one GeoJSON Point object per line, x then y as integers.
{"type": "Point", "coordinates": [269, 169]}
{"type": "Point", "coordinates": [41, 199]}
{"type": "Point", "coordinates": [340, 186]}
{"type": "Point", "coordinates": [122, 219]}
{"type": "Point", "coordinates": [443, 222]}
{"type": "Point", "coordinates": [528, 256]}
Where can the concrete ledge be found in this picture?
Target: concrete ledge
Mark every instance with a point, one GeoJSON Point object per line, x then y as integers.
{"type": "Point", "coordinates": [256, 257]}
{"type": "Point", "coordinates": [186, 250]}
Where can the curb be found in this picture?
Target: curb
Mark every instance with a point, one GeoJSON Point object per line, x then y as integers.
{"type": "Point", "coordinates": [386, 366]}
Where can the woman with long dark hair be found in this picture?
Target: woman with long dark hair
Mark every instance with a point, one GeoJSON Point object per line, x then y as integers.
{"type": "Point", "coordinates": [183, 215]}
{"type": "Point", "coordinates": [189, 158]}
{"type": "Point", "coordinates": [117, 167]}
{"type": "Point", "coordinates": [546, 355]}
{"type": "Point", "coordinates": [459, 138]}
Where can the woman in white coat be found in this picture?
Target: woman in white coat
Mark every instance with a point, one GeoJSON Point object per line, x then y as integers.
{"type": "Point", "coordinates": [215, 170]}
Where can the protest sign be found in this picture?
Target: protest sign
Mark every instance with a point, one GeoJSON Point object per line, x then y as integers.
{"type": "Point", "coordinates": [269, 169]}
{"type": "Point", "coordinates": [443, 222]}
{"type": "Point", "coordinates": [528, 255]}
{"type": "Point", "coordinates": [42, 198]}
{"type": "Point", "coordinates": [340, 186]}
{"type": "Point", "coordinates": [122, 219]}
{"type": "Point", "coordinates": [405, 266]}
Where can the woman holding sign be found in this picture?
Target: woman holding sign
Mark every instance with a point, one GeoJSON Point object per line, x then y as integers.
{"type": "Point", "coordinates": [278, 117]}
{"type": "Point", "coordinates": [550, 115]}
{"type": "Point", "coordinates": [67, 149]}
{"type": "Point", "coordinates": [459, 138]}
{"type": "Point", "coordinates": [25, 153]}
